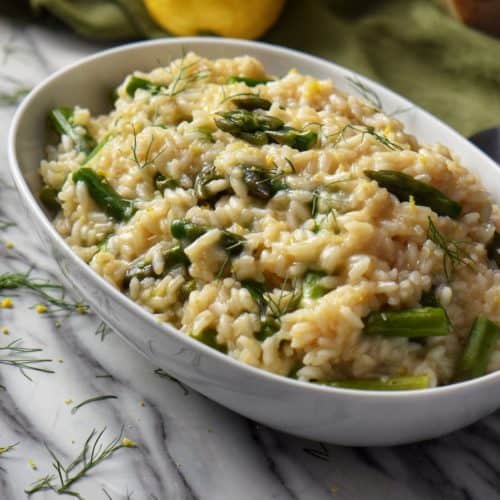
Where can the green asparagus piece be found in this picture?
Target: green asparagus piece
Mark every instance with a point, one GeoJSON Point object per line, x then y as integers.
{"type": "Point", "coordinates": [255, 138]}
{"type": "Point", "coordinates": [140, 269]}
{"type": "Point", "coordinates": [48, 196]}
{"type": "Point", "coordinates": [409, 383]}
{"type": "Point", "coordinates": [206, 175]}
{"type": "Point", "coordinates": [251, 82]}
{"type": "Point", "coordinates": [476, 355]}
{"type": "Point", "coordinates": [260, 128]}
{"type": "Point", "coordinates": [97, 149]}
{"type": "Point", "coordinates": [161, 182]}
{"type": "Point", "coordinates": [293, 138]}
{"type": "Point", "coordinates": [261, 182]}
{"type": "Point", "coordinates": [251, 103]}
{"type": "Point", "coordinates": [403, 186]}
{"type": "Point", "coordinates": [104, 195]}
{"type": "Point", "coordinates": [311, 288]}
{"type": "Point", "coordinates": [61, 120]}
{"type": "Point", "coordinates": [494, 248]}
{"type": "Point", "coordinates": [183, 229]}
{"type": "Point", "coordinates": [208, 337]}
{"type": "Point", "coordinates": [136, 82]}
{"type": "Point", "coordinates": [241, 120]}
{"type": "Point", "coordinates": [424, 322]}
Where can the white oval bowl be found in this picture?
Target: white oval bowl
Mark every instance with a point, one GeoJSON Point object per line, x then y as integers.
{"type": "Point", "coordinates": [340, 416]}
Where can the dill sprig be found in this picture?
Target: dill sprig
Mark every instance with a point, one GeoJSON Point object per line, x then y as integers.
{"type": "Point", "coordinates": [23, 364]}
{"type": "Point", "coordinates": [92, 400]}
{"type": "Point", "coordinates": [285, 302]}
{"type": "Point", "coordinates": [366, 92]}
{"type": "Point", "coordinates": [186, 75]}
{"type": "Point", "coordinates": [453, 250]}
{"type": "Point", "coordinates": [103, 330]}
{"type": "Point", "coordinates": [6, 449]}
{"type": "Point", "coordinates": [41, 288]}
{"type": "Point", "coordinates": [162, 373]}
{"type": "Point", "coordinates": [364, 130]}
{"type": "Point", "coordinates": [92, 454]}
{"type": "Point", "coordinates": [148, 160]}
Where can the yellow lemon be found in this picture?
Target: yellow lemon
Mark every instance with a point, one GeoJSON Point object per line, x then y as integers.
{"type": "Point", "coordinates": [231, 18]}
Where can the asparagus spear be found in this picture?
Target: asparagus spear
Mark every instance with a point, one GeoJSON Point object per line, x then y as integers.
{"type": "Point", "coordinates": [104, 195]}
{"type": "Point", "coordinates": [48, 196]}
{"type": "Point", "coordinates": [140, 269]}
{"type": "Point", "coordinates": [136, 82]}
{"type": "Point", "coordinates": [311, 288]}
{"type": "Point", "coordinates": [251, 102]}
{"type": "Point", "coordinates": [260, 128]}
{"type": "Point", "coordinates": [293, 138]}
{"type": "Point", "coordinates": [424, 322]}
{"type": "Point", "coordinates": [208, 337]}
{"type": "Point", "coordinates": [494, 248]}
{"type": "Point", "coordinates": [408, 383]}
{"type": "Point", "coordinates": [476, 355]}
{"type": "Point", "coordinates": [206, 175]}
{"type": "Point", "coordinates": [183, 229]}
{"type": "Point", "coordinates": [251, 82]}
{"type": "Point", "coordinates": [261, 182]}
{"type": "Point", "coordinates": [61, 120]}
{"type": "Point", "coordinates": [161, 182]}
{"type": "Point", "coordinates": [242, 120]}
{"type": "Point", "coordinates": [403, 186]}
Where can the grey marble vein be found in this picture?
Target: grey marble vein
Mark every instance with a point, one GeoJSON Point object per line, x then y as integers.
{"type": "Point", "coordinates": [189, 448]}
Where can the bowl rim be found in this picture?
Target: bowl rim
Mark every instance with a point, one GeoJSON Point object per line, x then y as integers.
{"type": "Point", "coordinates": [98, 281]}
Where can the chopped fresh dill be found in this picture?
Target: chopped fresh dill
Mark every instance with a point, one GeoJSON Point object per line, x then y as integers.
{"type": "Point", "coordinates": [161, 373]}
{"type": "Point", "coordinates": [186, 75]}
{"type": "Point", "coordinates": [103, 330]}
{"type": "Point", "coordinates": [92, 454]}
{"type": "Point", "coordinates": [227, 260]}
{"type": "Point", "coordinates": [453, 251]}
{"type": "Point", "coordinates": [6, 449]}
{"type": "Point", "coordinates": [366, 92]}
{"type": "Point", "coordinates": [41, 288]}
{"type": "Point", "coordinates": [148, 160]}
{"type": "Point", "coordinates": [364, 130]}
{"type": "Point", "coordinates": [284, 304]}
{"type": "Point", "coordinates": [22, 363]}
{"type": "Point", "coordinates": [92, 400]}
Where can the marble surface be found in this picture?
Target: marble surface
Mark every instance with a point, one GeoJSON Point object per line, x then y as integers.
{"type": "Point", "coordinates": [187, 446]}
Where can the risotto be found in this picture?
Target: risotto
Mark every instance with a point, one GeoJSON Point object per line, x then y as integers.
{"type": "Point", "coordinates": [281, 221]}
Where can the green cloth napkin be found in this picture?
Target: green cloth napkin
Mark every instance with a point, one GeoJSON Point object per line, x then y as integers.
{"type": "Point", "coordinates": [411, 46]}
